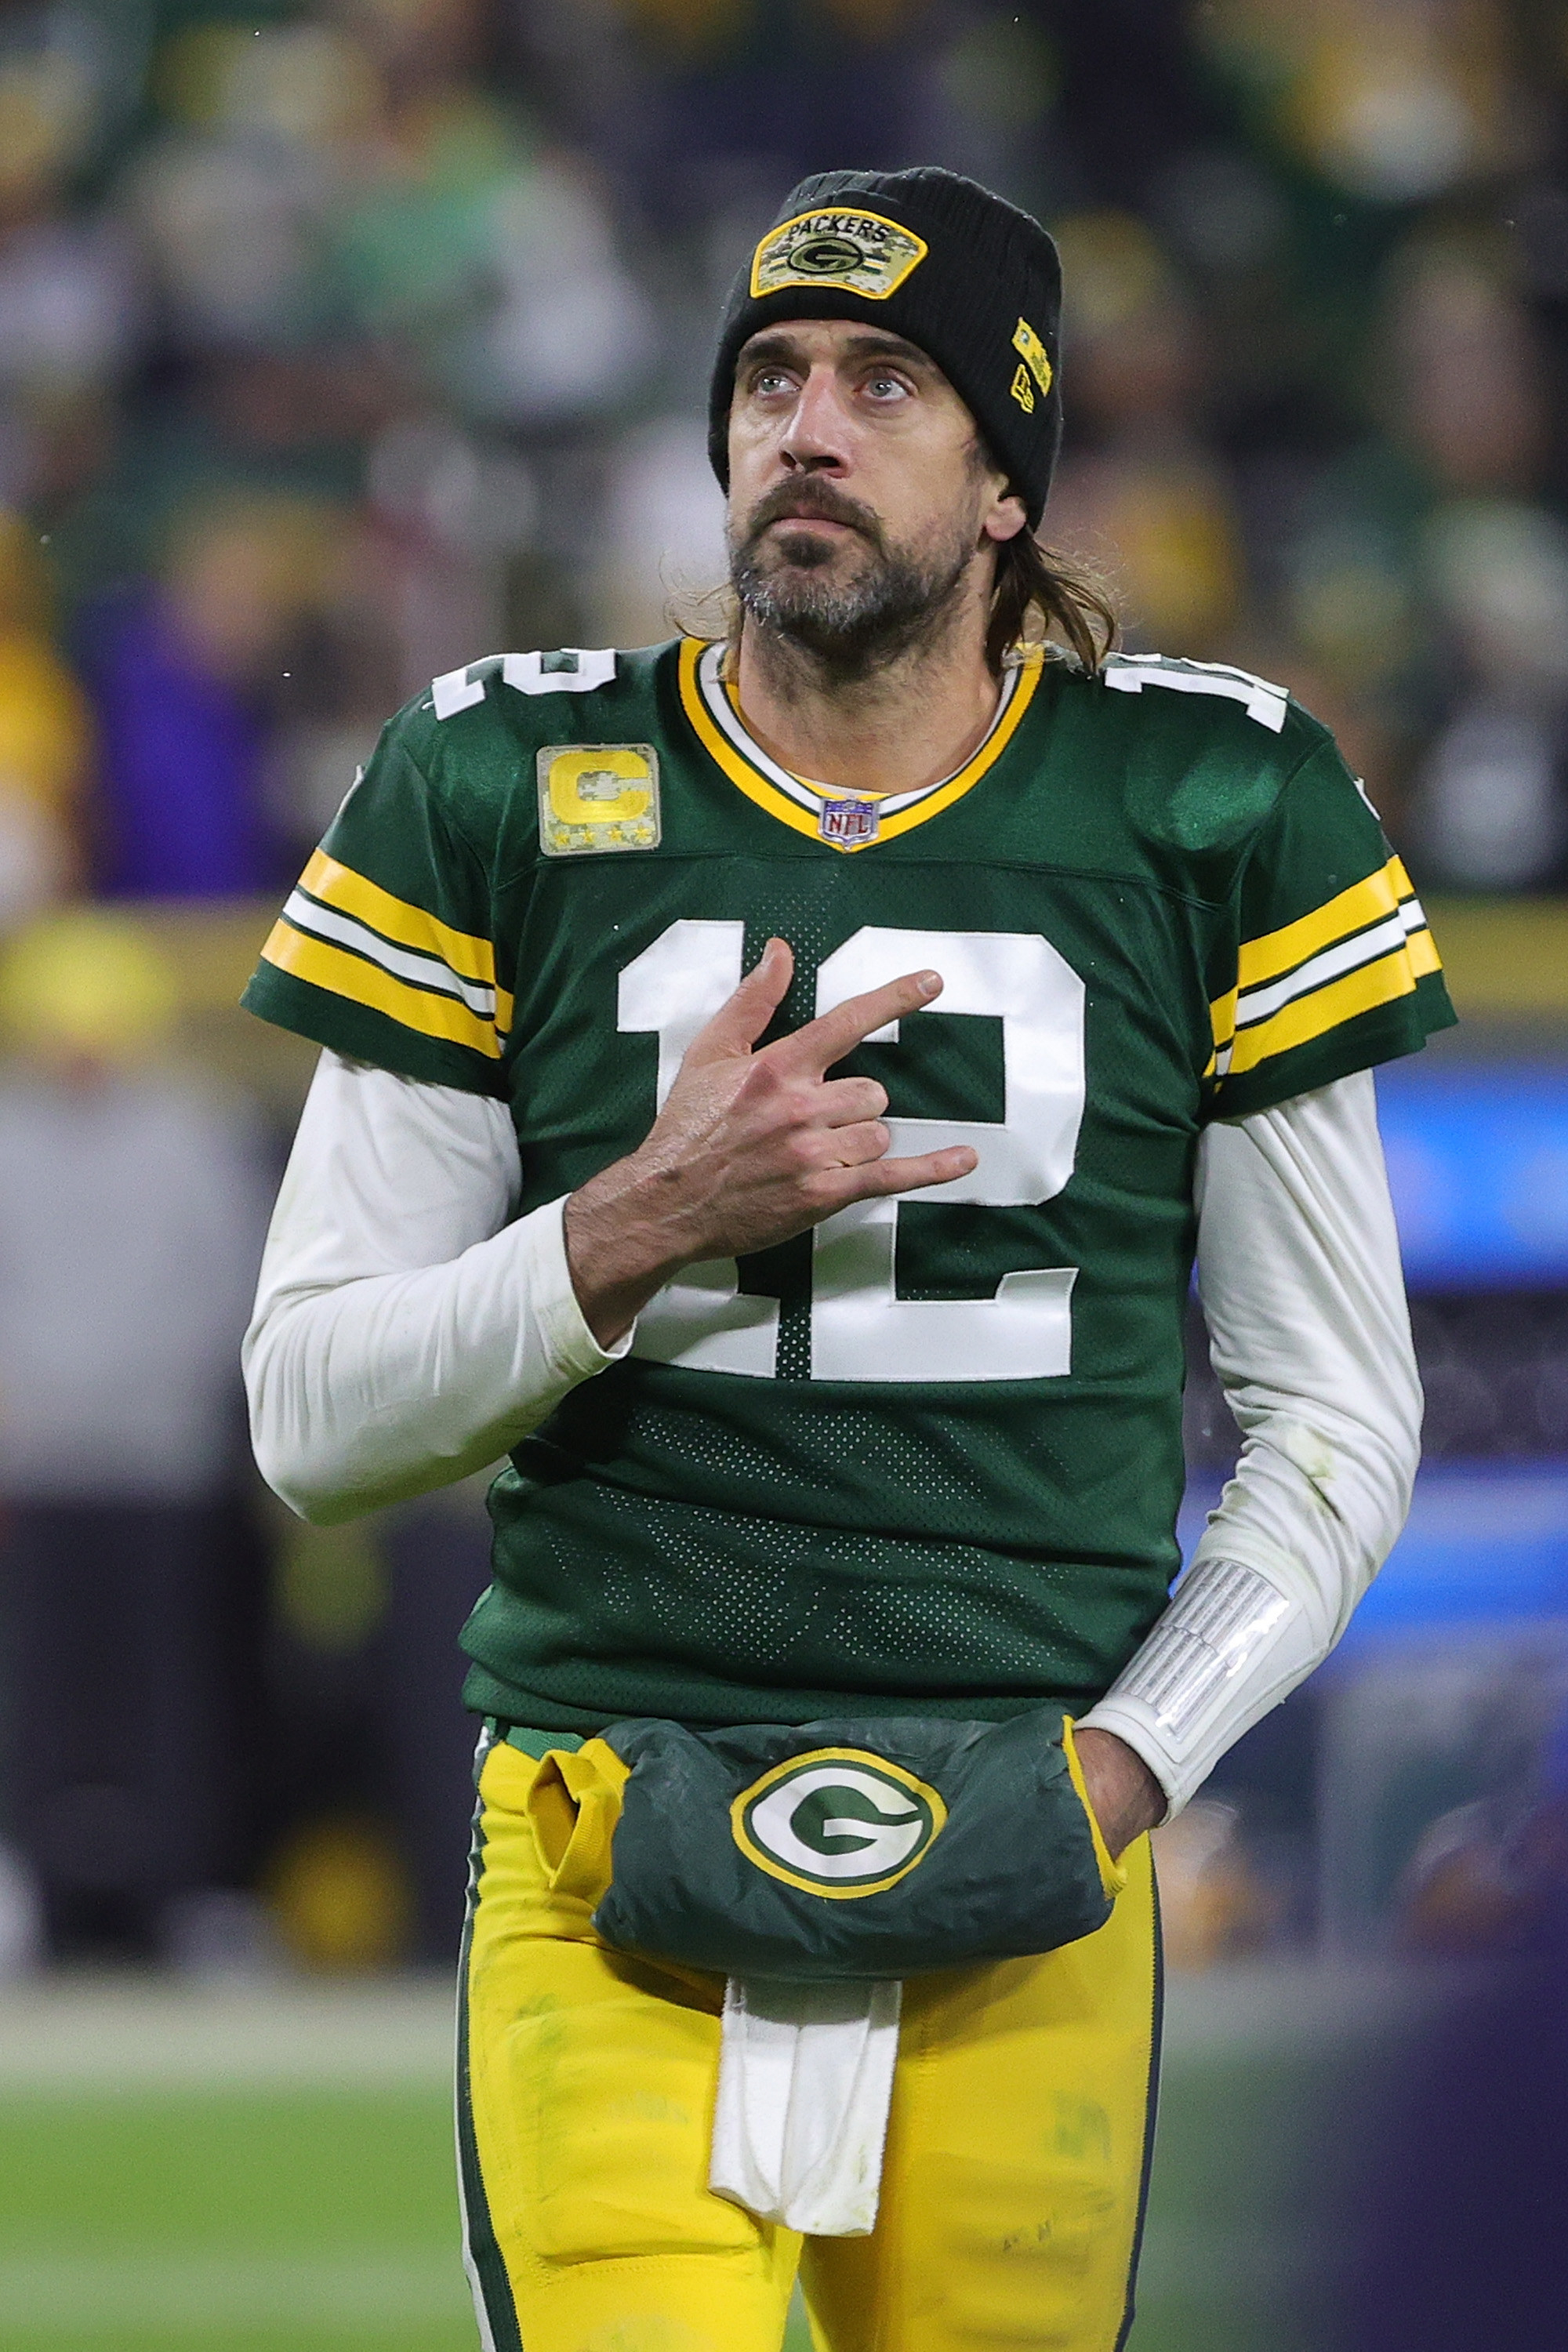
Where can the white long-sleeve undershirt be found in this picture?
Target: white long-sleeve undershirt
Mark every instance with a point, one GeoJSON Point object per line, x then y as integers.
{"type": "Point", "coordinates": [406, 1332]}
{"type": "Point", "coordinates": [1303, 1295]}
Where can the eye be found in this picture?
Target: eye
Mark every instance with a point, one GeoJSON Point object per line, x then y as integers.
{"type": "Point", "coordinates": [885, 387]}
{"type": "Point", "coordinates": [769, 381]}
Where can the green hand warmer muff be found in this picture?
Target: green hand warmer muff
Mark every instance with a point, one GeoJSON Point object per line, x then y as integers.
{"type": "Point", "coordinates": [848, 1850]}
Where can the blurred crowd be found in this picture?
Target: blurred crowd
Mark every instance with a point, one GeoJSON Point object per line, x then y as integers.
{"type": "Point", "coordinates": [346, 340]}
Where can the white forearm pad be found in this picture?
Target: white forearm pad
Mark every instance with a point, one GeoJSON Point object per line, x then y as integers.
{"type": "Point", "coordinates": [1229, 1647]}
{"type": "Point", "coordinates": [1299, 1277]}
{"type": "Point", "coordinates": [404, 1333]}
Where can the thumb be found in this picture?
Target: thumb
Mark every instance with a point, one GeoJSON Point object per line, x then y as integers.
{"type": "Point", "coordinates": [742, 1018]}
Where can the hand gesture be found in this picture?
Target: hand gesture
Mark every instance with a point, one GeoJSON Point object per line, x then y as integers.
{"type": "Point", "coordinates": [751, 1146]}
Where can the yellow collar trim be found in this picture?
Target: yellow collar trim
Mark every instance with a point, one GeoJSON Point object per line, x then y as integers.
{"type": "Point", "coordinates": [749, 776]}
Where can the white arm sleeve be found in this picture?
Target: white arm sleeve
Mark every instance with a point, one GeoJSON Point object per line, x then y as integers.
{"type": "Point", "coordinates": [1299, 1277]}
{"type": "Point", "coordinates": [406, 1332]}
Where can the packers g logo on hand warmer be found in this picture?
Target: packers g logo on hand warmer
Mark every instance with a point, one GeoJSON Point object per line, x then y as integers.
{"type": "Point", "coordinates": [837, 1822]}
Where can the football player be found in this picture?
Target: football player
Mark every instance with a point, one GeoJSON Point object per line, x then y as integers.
{"type": "Point", "coordinates": [774, 1090]}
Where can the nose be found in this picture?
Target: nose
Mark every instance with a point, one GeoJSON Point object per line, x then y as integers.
{"type": "Point", "coordinates": [814, 435]}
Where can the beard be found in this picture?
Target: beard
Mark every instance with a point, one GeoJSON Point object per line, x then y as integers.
{"type": "Point", "coordinates": [793, 589]}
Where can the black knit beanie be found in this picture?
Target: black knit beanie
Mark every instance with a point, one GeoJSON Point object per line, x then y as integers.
{"type": "Point", "coordinates": [936, 258]}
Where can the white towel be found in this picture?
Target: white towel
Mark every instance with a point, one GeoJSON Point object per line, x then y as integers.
{"type": "Point", "coordinates": [805, 2075]}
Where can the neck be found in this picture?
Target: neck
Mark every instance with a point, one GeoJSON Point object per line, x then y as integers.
{"type": "Point", "coordinates": [907, 722]}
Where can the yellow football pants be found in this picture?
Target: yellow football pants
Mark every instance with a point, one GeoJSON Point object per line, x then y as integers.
{"type": "Point", "coordinates": [1017, 2146]}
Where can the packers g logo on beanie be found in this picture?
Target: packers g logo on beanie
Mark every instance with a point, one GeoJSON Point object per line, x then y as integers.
{"type": "Point", "coordinates": [861, 252]}
{"type": "Point", "coordinates": [837, 1822]}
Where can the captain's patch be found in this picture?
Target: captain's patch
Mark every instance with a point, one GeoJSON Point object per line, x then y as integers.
{"type": "Point", "coordinates": [597, 796]}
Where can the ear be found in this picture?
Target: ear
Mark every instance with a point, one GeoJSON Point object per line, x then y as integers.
{"type": "Point", "coordinates": [1005, 516]}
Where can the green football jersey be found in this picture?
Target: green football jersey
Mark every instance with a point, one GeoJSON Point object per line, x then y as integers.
{"type": "Point", "coordinates": [927, 1459]}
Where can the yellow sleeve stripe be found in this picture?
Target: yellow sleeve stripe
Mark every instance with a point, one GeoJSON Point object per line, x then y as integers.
{"type": "Point", "coordinates": [1419, 949]}
{"type": "Point", "coordinates": [1289, 981]}
{"type": "Point", "coordinates": [408, 926]}
{"type": "Point", "coordinates": [1422, 950]}
{"type": "Point", "coordinates": [1364, 902]}
{"type": "Point", "coordinates": [329, 923]}
{"type": "Point", "coordinates": [1297, 1023]}
{"type": "Point", "coordinates": [429, 1014]}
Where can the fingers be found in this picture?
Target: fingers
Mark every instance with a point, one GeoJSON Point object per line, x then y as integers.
{"type": "Point", "coordinates": [852, 1147]}
{"type": "Point", "coordinates": [833, 1034]}
{"type": "Point", "coordinates": [858, 1170]}
{"type": "Point", "coordinates": [740, 1020]}
{"type": "Point", "coordinates": [918, 1175]}
{"type": "Point", "coordinates": [846, 1102]}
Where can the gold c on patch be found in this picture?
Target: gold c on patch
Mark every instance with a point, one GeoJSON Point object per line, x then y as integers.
{"type": "Point", "coordinates": [860, 253]}
{"type": "Point", "coordinates": [597, 796]}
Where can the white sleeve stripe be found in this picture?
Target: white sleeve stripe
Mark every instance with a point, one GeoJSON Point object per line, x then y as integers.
{"type": "Point", "coordinates": [1331, 963]}
{"type": "Point", "coordinates": [403, 963]}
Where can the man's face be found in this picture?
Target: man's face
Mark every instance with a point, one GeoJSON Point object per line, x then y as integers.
{"type": "Point", "coordinates": [861, 502]}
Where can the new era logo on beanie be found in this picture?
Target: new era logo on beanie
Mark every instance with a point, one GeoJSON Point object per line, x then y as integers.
{"type": "Point", "coordinates": [938, 259]}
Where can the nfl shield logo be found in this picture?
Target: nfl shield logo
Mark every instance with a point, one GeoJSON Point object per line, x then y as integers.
{"type": "Point", "coordinates": [846, 823]}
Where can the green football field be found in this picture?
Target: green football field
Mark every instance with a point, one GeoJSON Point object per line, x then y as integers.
{"type": "Point", "coordinates": [271, 2171]}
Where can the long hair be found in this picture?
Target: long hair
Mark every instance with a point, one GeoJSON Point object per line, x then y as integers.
{"type": "Point", "coordinates": [1038, 595]}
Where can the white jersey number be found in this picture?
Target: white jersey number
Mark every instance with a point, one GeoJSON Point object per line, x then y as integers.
{"type": "Point", "coordinates": [861, 1328]}
{"type": "Point", "coordinates": [675, 988]}
{"type": "Point", "coordinates": [1259, 697]}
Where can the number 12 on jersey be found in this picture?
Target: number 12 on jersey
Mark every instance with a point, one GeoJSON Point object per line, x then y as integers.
{"type": "Point", "coordinates": [861, 1328]}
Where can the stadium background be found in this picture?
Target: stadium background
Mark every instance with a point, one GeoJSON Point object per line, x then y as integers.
{"type": "Point", "coordinates": [343, 343]}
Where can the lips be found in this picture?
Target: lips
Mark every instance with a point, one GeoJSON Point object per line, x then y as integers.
{"type": "Point", "coordinates": [805, 506]}
{"type": "Point", "coordinates": [809, 515]}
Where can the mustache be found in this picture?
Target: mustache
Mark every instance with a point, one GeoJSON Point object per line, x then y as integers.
{"type": "Point", "coordinates": [812, 500]}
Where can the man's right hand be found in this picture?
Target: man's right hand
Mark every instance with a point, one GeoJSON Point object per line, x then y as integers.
{"type": "Point", "coordinates": [750, 1149]}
